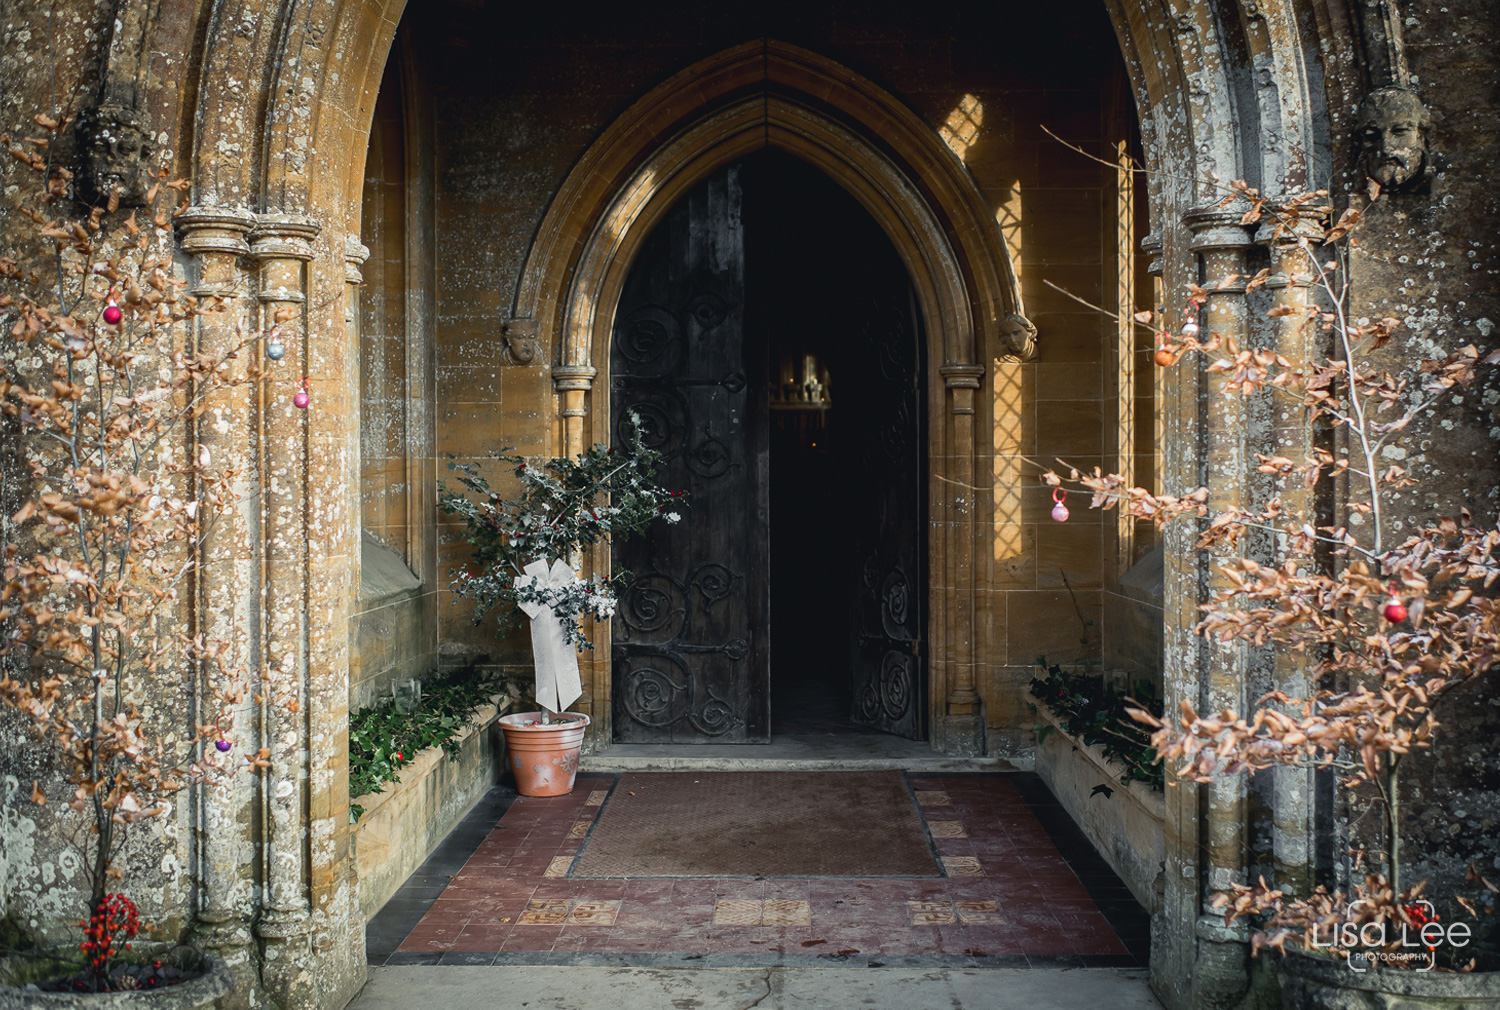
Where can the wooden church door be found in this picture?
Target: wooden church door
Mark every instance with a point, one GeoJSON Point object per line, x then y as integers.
{"type": "Point", "coordinates": [888, 582]}
{"type": "Point", "coordinates": [690, 638]}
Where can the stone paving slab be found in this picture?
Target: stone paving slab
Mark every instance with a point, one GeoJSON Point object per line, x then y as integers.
{"type": "Point", "coordinates": [578, 987]}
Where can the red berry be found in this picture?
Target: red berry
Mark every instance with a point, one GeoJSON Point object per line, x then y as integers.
{"type": "Point", "coordinates": [1394, 611]}
{"type": "Point", "coordinates": [399, 756]}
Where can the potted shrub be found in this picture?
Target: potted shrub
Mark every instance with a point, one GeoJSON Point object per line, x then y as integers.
{"type": "Point", "coordinates": [1391, 626]}
{"type": "Point", "coordinates": [525, 551]}
{"type": "Point", "coordinates": [97, 386]}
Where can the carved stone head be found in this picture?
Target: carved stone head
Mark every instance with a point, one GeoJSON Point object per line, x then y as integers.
{"type": "Point", "coordinates": [1393, 128]}
{"type": "Point", "coordinates": [1018, 336]}
{"type": "Point", "coordinates": [114, 156]}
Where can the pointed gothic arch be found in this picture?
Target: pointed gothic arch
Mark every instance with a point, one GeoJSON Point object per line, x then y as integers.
{"type": "Point", "coordinates": [769, 94]}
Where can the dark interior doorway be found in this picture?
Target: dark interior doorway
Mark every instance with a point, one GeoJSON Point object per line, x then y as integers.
{"type": "Point", "coordinates": [767, 337]}
{"type": "Point", "coordinates": [832, 304]}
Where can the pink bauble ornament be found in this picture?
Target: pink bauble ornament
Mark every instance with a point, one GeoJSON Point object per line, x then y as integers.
{"type": "Point", "coordinates": [112, 314]}
{"type": "Point", "coordinates": [1395, 611]}
{"type": "Point", "coordinates": [1189, 329]}
{"type": "Point", "coordinates": [223, 745]}
{"type": "Point", "coordinates": [1059, 510]}
{"type": "Point", "coordinates": [303, 397]}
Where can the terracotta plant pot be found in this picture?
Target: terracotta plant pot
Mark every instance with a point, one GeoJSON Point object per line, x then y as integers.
{"type": "Point", "coordinates": [1316, 983]}
{"type": "Point", "coordinates": [543, 756]}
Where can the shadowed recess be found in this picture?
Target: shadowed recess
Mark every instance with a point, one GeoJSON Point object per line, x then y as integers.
{"type": "Point", "coordinates": [759, 824]}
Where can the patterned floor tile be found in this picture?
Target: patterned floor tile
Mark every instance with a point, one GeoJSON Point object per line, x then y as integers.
{"type": "Point", "coordinates": [786, 913]}
{"type": "Point", "coordinates": [559, 866]}
{"type": "Point", "coordinates": [930, 913]}
{"type": "Point", "coordinates": [597, 798]}
{"type": "Point", "coordinates": [545, 912]}
{"type": "Point", "coordinates": [738, 912]}
{"type": "Point", "coordinates": [973, 913]}
{"type": "Point", "coordinates": [962, 866]}
{"type": "Point", "coordinates": [594, 913]}
{"type": "Point", "coordinates": [933, 798]}
{"type": "Point", "coordinates": [580, 829]}
{"type": "Point", "coordinates": [947, 829]}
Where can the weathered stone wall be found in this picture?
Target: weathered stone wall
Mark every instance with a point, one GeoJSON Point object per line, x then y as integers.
{"type": "Point", "coordinates": [1430, 259]}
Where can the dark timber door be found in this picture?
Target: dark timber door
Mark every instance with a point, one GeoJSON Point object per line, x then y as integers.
{"type": "Point", "coordinates": [690, 654]}
{"type": "Point", "coordinates": [889, 584]}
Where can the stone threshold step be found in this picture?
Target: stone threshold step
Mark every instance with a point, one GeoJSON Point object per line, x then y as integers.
{"type": "Point", "coordinates": [609, 762]}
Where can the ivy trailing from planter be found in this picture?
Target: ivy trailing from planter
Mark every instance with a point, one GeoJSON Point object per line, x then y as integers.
{"type": "Point", "coordinates": [383, 739]}
{"type": "Point", "coordinates": [1093, 711]}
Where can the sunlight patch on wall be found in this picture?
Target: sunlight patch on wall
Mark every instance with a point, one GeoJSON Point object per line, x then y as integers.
{"type": "Point", "coordinates": [962, 125]}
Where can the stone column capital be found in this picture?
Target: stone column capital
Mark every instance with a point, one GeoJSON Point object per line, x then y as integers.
{"type": "Point", "coordinates": [283, 236]}
{"type": "Point", "coordinates": [355, 254]}
{"type": "Point", "coordinates": [1217, 227]}
{"type": "Point", "coordinates": [961, 374]}
{"type": "Point", "coordinates": [1152, 246]}
{"type": "Point", "coordinates": [571, 377]}
{"type": "Point", "coordinates": [215, 230]}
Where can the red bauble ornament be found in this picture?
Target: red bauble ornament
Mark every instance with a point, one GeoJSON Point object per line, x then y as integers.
{"type": "Point", "coordinates": [1395, 611]}
{"type": "Point", "coordinates": [1059, 510]}
{"type": "Point", "coordinates": [112, 314]}
{"type": "Point", "coordinates": [223, 745]}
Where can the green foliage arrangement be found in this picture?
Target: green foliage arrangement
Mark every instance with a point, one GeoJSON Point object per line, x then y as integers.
{"type": "Point", "coordinates": [1094, 711]}
{"type": "Point", "coordinates": [565, 507]}
{"type": "Point", "coordinates": [383, 738]}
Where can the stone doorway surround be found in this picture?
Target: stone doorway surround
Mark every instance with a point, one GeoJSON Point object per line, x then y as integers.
{"type": "Point", "coordinates": [770, 94]}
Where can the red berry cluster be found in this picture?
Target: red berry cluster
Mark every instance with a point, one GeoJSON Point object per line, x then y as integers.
{"type": "Point", "coordinates": [115, 921]}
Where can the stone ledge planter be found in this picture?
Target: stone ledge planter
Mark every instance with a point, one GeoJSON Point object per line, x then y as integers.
{"type": "Point", "coordinates": [404, 822]}
{"type": "Point", "coordinates": [197, 994]}
{"type": "Point", "coordinates": [1316, 983]}
{"type": "Point", "coordinates": [1126, 827]}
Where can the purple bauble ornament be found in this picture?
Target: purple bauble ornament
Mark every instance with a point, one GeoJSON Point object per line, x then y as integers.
{"type": "Point", "coordinates": [223, 745]}
{"type": "Point", "coordinates": [301, 400]}
{"type": "Point", "coordinates": [1059, 510]}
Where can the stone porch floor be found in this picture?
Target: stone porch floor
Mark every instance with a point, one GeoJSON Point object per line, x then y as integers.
{"type": "Point", "coordinates": [1022, 889]}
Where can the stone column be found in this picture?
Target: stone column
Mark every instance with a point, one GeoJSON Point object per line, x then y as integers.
{"type": "Point", "coordinates": [573, 384]}
{"type": "Point", "coordinates": [228, 574]}
{"type": "Point", "coordinates": [355, 254]}
{"type": "Point", "coordinates": [964, 727]}
{"type": "Point", "coordinates": [1288, 233]}
{"type": "Point", "coordinates": [282, 245]}
{"type": "Point", "coordinates": [1220, 974]}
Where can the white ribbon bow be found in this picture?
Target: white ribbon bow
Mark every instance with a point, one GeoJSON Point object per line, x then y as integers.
{"type": "Point", "coordinates": [557, 682]}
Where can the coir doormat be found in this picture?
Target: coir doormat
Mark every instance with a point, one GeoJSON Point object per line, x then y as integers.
{"type": "Point", "coordinates": [759, 824]}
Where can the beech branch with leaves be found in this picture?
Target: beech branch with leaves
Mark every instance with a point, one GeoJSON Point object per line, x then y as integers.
{"type": "Point", "coordinates": [1388, 629]}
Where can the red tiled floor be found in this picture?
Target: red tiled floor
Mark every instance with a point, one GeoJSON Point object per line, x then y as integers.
{"type": "Point", "coordinates": [1017, 894]}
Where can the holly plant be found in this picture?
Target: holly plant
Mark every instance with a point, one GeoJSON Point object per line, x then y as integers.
{"type": "Point", "coordinates": [565, 507]}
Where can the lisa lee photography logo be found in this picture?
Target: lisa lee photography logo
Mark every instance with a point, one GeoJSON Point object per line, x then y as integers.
{"type": "Point", "coordinates": [1412, 945]}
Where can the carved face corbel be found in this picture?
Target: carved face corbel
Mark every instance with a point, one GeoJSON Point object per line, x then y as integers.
{"type": "Point", "coordinates": [114, 157]}
{"type": "Point", "coordinates": [1018, 337]}
{"type": "Point", "coordinates": [521, 345]}
{"type": "Point", "coordinates": [1393, 130]}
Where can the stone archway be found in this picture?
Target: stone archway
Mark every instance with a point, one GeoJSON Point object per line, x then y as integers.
{"type": "Point", "coordinates": [281, 119]}
{"type": "Point", "coordinates": [769, 94]}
